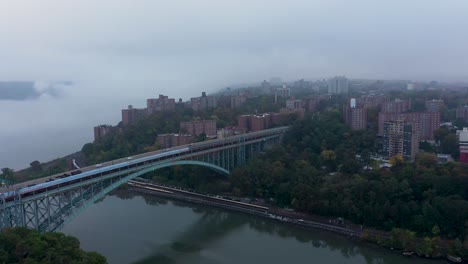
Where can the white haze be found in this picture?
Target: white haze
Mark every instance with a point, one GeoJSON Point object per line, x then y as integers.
{"type": "Point", "coordinates": [121, 52]}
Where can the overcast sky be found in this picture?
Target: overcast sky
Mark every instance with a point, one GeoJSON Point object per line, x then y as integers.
{"type": "Point", "coordinates": [121, 52]}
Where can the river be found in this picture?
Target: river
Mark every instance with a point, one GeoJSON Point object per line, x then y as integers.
{"type": "Point", "coordinates": [131, 228]}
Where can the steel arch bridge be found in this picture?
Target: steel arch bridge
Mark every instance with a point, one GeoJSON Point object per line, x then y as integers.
{"type": "Point", "coordinates": [48, 206]}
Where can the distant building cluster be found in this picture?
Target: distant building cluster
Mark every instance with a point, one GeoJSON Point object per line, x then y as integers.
{"type": "Point", "coordinates": [131, 115]}
{"type": "Point", "coordinates": [400, 129]}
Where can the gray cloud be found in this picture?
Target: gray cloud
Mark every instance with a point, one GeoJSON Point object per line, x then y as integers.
{"type": "Point", "coordinates": [24, 90]}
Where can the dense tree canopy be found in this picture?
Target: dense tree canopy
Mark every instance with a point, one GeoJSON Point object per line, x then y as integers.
{"type": "Point", "coordinates": [319, 169]}
{"type": "Point", "coordinates": [21, 245]}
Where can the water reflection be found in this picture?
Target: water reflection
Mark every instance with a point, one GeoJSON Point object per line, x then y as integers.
{"type": "Point", "coordinates": [214, 226]}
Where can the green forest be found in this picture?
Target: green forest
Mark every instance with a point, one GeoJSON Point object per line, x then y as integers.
{"type": "Point", "coordinates": [22, 245]}
{"type": "Point", "coordinates": [318, 170]}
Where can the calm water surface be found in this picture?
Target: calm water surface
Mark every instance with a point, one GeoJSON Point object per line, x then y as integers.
{"type": "Point", "coordinates": [129, 228]}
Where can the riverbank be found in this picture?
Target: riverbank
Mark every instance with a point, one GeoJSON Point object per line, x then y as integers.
{"type": "Point", "coordinates": [338, 226]}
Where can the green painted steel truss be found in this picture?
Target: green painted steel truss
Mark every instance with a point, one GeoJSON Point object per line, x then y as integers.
{"type": "Point", "coordinates": [51, 210]}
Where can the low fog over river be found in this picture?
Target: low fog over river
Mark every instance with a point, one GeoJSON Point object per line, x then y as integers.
{"type": "Point", "coordinates": [52, 126]}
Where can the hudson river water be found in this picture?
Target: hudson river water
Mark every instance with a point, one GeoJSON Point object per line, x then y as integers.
{"type": "Point", "coordinates": [129, 228]}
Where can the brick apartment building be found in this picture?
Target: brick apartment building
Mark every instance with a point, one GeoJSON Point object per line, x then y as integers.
{"type": "Point", "coordinates": [294, 104]}
{"type": "Point", "coordinates": [162, 103]}
{"type": "Point", "coordinates": [131, 116]}
{"type": "Point", "coordinates": [254, 123]}
{"type": "Point", "coordinates": [434, 105]}
{"type": "Point", "coordinates": [101, 130]}
{"type": "Point", "coordinates": [259, 122]}
{"type": "Point", "coordinates": [237, 100]}
{"type": "Point", "coordinates": [463, 144]}
{"type": "Point", "coordinates": [203, 103]}
{"type": "Point", "coordinates": [371, 101]}
{"type": "Point", "coordinates": [401, 138]}
{"type": "Point", "coordinates": [428, 122]}
{"type": "Point", "coordinates": [462, 113]}
{"type": "Point", "coordinates": [196, 128]}
{"type": "Point", "coordinates": [173, 140]}
{"type": "Point", "coordinates": [229, 131]}
{"type": "Point", "coordinates": [355, 117]}
{"type": "Point", "coordinates": [396, 106]}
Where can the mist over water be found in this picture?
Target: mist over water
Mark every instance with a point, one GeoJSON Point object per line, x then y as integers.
{"type": "Point", "coordinates": [53, 126]}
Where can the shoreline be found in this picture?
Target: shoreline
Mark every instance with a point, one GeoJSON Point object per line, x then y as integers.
{"type": "Point", "coordinates": [291, 218]}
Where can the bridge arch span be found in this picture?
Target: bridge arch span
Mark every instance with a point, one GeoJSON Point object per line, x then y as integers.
{"type": "Point", "coordinates": [49, 205]}
{"type": "Point", "coordinates": [134, 175]}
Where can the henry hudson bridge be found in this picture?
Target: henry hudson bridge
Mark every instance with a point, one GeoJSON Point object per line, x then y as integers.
{"type": "Point", "coordinates": [49, 203]}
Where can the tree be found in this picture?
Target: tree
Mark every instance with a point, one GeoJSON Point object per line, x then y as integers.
{"type": "Point", "coordinates": [36, 166]}
{"type": "Point", "coordinates": [449, 144]}
{"type": "Point", "coordinates": [21, 245]}
{"type": "Point", "coordinates": [8, 174]}
{"type": "Point", "coordinates": [427, 160]}
{"type": "Point", "coordinates": [201, 137]}
{"type": "Point", "coordinates": [397, 160]}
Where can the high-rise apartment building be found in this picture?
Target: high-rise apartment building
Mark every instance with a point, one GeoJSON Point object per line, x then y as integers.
{"type": "Point", "coordinates": [462, 113]}
{"type": "Point", "coordinates": [162, 103]}
{"type": "Point", "coordinates": [284, 92]}
{"type": "Point", "coordinates": [101, 130]}
{"type": "Point", "coordinates": [370, 101]}
{"type": "Point", "coordinates": [173, 140]}
{"type": "Point", "coordinates": [355, 117]}
{"type": "Point", "coordinates": [428, 122]}
{"type": "Point", "coordinates": [254, 123]}
{"type": "Point", "coordinates": [265, 87]}
{"type": "Point", "coordinates": [434, 105]}
{"type": "Point", "coordinates": [237, 100]}
{"type": "Point", "coordinates": [196, 128]}
{"type": "Point", "coordinates": [204, 102]}
{"type": "Point", "coordinates": [338, 85]}
{"type": "Point", "coordinates": [132, 115]}
{"type": "Point", "coordinates": [401, 138]}
{"type": "Point", "coordinates": [293, 104]}
{"type": "Point", "coordinates": [396, 106]}
{"type": "Point", "coordinates": [463, 144]}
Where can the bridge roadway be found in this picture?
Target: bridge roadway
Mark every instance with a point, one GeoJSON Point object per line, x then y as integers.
{"type": "Point", "coordinates": [95, 170]}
